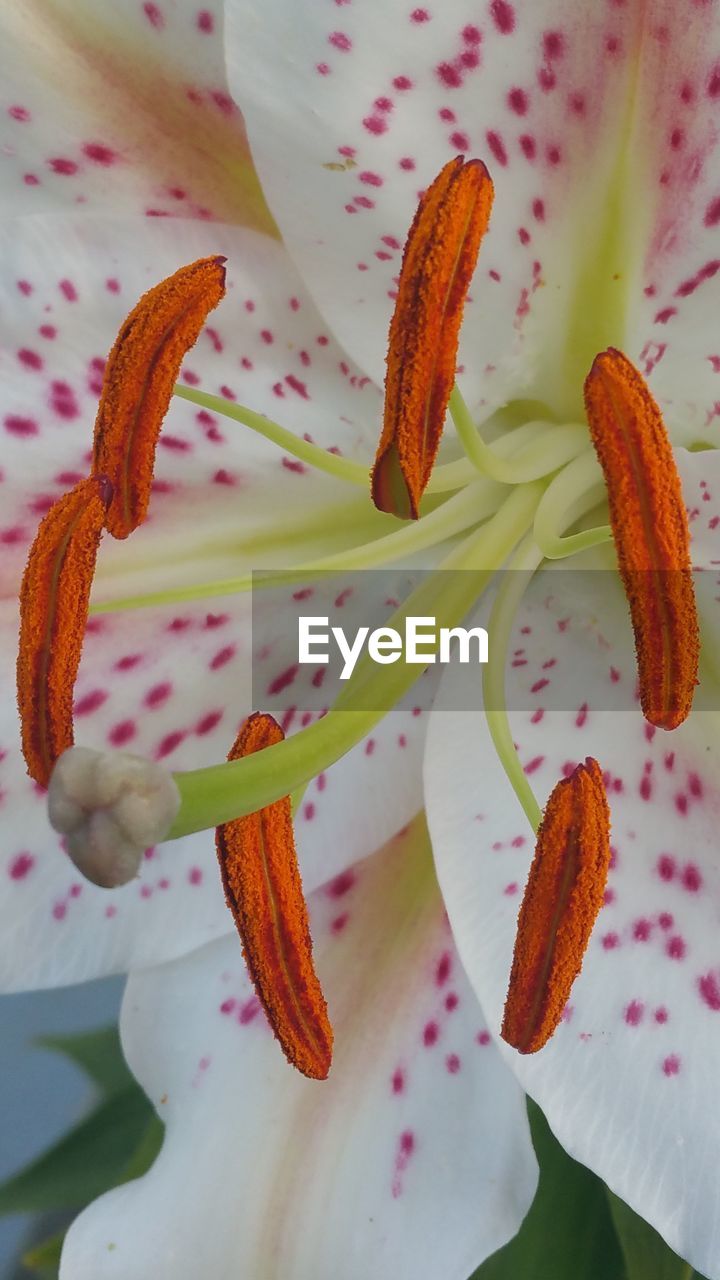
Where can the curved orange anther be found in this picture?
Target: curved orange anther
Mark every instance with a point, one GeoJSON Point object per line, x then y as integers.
{"type": "Point", "coordinates": [563, 895]}
{"type": "Point", "coordinates": [264, 891]}
{"type": "Point", "coordinates": [651, 532]}
{"type": "Point", "coordinates": [439, 260]}
{"type": "Point", "coordinates": [141, 371]}
{"type": "Point", "coordinates": [54, 599]}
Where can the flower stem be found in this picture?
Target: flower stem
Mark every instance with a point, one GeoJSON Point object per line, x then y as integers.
{"type": "Point", "coordinates": [222, 792]}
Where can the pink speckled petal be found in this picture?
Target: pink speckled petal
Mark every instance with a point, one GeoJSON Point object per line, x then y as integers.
{"type": "Point", "coordinates": [598, 124]}
{"type": "Point", "coordinates": [628, 1080]}
{"type": "Point", "coordinates": [172, 682]}
{"type": "Point", "coordinates": [413, 1159]}
{"type": "Point", "coordinates": [122, 108]}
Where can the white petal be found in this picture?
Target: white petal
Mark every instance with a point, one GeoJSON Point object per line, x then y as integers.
{"type": "Point", "coordinates": [172, 682]}
{"type": "Point", "coordinates": [627, 1081]}
{"type": "Point", "coordinates": [606, 174]}
{"type": "Point", "coordinates": [122, 108]}
{"type": "Point", "coordinates": [412, 1160]}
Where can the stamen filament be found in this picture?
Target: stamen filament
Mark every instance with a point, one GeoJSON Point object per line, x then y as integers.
{"type": "Point", "coordinates": [651, 532]}
{"type": "Point", "coordinates": [446, 521]}
{"type": "Point", "coordinates": [556, 446]}
{"type": "Point", "coordinates": [138, 382]}
{"type": "Point", "coordinates": [221, 792]}
{"type": "Point", "coordinates": [445, 478]}
{"type": "Point", "coordinates": [315, 456]}
{"type": "Point", "coordinates": [263, 890]}
{"type": "Point", "coordinates": [576, 489]}
{"type": "Point", "coordinates": [520, 570]}
{"type": "Point", "coordinates": [563, 896]}
{"type": "Point", "coordinates": [517, 576]}
{"type": "Point", "coordinates": [53, 611]}
{"type": "Point", "coordinates": [469, 507]}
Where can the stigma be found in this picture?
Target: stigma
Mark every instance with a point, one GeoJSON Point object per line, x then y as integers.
{"type": "Point", "coordinates": [111, 807]}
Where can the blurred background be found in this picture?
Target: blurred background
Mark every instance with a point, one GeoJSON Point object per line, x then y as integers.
{"type": "Point", "coordinates": [43, 1093]}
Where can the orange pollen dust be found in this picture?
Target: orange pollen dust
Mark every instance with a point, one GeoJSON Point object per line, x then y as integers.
{"type": "Point", "coordinates": [54, 600]}
{"type": "Point", "coordinates": [261, 879]}
{"type": "Point", "coordinates": [651, 532]}
{"type": "Point", "coordinates": [563, 895]}
{"type": "Point", "coordinates": [439, 259]}
{"type": "Point", "coordinates": [141, 371]}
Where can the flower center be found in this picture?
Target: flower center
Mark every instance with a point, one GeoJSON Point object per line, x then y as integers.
{"type": "Point", "coordinates": [510, 499]}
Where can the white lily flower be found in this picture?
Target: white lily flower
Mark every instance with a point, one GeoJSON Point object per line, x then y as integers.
{"type": "Point", "coordinates": [173, 682]}
{"type": "Point", "coordinates": [415, 1154]}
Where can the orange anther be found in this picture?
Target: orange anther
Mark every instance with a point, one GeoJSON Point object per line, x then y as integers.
{"type": "Point", "coordinates": [563, 895]}
{"type": "Point", "coordinates": [263, 890]}
{"type": "Point", "coordinates": [139, 377]}
{"type": "Point", "coordinates": [651, 532]}
{"type": "Point", "coordinates": [53, 611]}
{"type": "Point", "coordinates": [439, 259]}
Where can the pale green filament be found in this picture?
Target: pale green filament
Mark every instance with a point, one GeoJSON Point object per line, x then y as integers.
{"type": "Point", "coordinates": [469, 507]}
{"type": "Point", "coordinates": [444, 478]}
{"type": "Point", "coordinates": [225, 791]}
{"type": "Point", "coordinates": [556, 446]}
{"type": "Point", "coordinates": [525, 562]}
{"type": "Point", "coordinates": [519, 571]}
{"type": "Point", "coordinates": [577, 489]}
{"type": "Point", "coordinates": [473, 504]}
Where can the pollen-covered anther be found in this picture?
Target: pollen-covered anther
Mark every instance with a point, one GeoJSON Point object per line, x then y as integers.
{"type": "Point", "coordinates": [54, 599]}
{"type": "Point", "coordinates": [139, 377]}
{"type": "Point", "coordinates": [260, 875]}
{"type": "Point", "coordinates": [564, 893]}
{"type": "Point", "coordinates": [438, 263]}
{"type": "Point", "coordinates": [652, 537]}
{"type": "Point", "coordinates": [111, 806]}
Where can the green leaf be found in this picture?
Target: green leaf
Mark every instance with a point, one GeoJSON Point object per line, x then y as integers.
{"type": "Point", "coordinates": [647, 1257]}
{"type": "Point", "coordinates": [44, 1259]}
{"type": "Point", "coordinates": [97, 1053]}
{"type": "Point", "coordinates": [568, 1233]}
{"type": "Point", "coordinates": [146, 1152]}
{"type": "Point", "coordinates": [87, 1161]}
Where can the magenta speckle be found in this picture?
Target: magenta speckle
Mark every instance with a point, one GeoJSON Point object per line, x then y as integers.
{"type": "Point", "coordinates": [666, 867]}
{"type": "Point", "coordinates": [709, 989]}
{"type": "Point", "coordinates": [675, 947]}
{"type": "Point", "coordinates": [430, 1035]}
{"type": "Point", "coordinates": [90, 702]}
{"type": "Point", "coordinates": [503, 15]}
{"type": "Point", "coordinates": [195, 876]}
{"type": "Point", "coordinates": [341, 885]}
{"type": "Point", "coordinates": [634, 1013]}
{"type": "Point", "coordinates": [497, 146]}
{"type": "Point", "coordinates": [671, 1065]}
{"type": "Point", "coordinates": [442, 972]}
{"type": "Point", "coordinates": [340, 41]}
{"type": "Point", "coordinates": [21, 866]}
{"type": "Point", "coordinates": [222, 657]}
